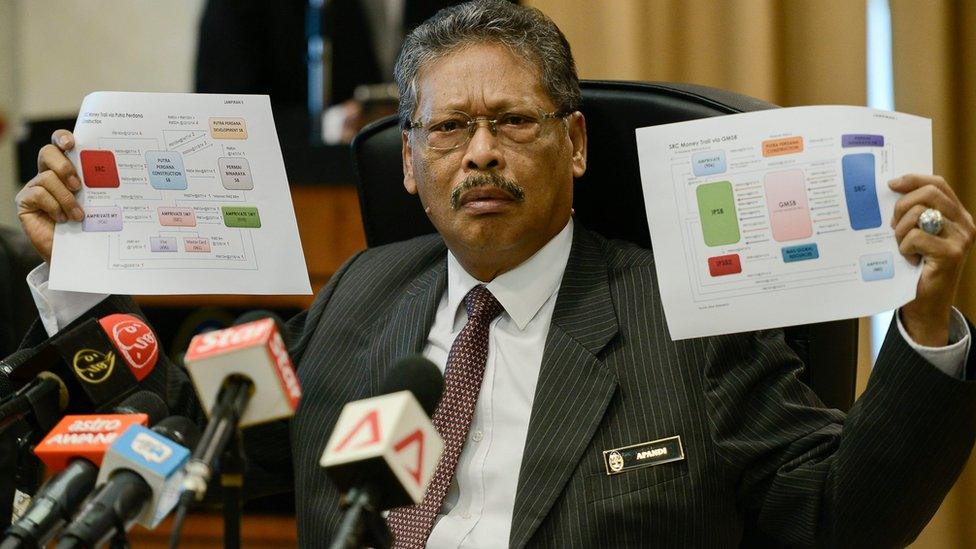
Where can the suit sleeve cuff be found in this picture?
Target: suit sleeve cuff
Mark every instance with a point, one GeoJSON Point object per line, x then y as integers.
{"type": "Point", "coordinates": [951, 358]}
{"type": "Point", "coordinates": [57, 308]}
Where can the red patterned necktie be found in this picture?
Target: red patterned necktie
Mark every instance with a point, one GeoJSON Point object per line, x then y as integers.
{"type": "Point", "coordinates": [462, 382]}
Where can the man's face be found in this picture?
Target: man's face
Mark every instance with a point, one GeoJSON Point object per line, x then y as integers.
{"type": "Point", "coordinates": [490, 223]}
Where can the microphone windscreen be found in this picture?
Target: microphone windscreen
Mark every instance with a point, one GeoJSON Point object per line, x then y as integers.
{"type": "Point", "coordinates": [134, 340]}
{"type": "Point", "coordinates": [61, 387]}
{"type": "Point", "coordinates": [180, 430]}
{"type": "Point", "coordinates": [261, 314]}
{"type": "Point", "coordinates": [144, 402]}
{"type": "Point", "coordinates": [418, 375]}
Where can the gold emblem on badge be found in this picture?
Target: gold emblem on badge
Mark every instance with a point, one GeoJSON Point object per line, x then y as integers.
{"type": "Point", "coordinates": [616, 461]}
{"type": "Point", "coordinates": [92, 366]}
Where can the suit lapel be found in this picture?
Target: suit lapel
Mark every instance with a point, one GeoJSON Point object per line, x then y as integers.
{"type": "Point", "coordinates": [406, 332]}
{"type": "Point", "coordinates": [574, 388]}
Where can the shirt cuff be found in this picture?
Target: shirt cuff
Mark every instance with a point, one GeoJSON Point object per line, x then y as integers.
{"type": "Point", "coordinates": [57, 308]}
{"type": "Point", "coordinates": [951, 358]}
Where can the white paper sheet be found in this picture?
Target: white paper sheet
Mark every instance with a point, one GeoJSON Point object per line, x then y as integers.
{"type": "Point", "coordinates": [779, 217]}
{"type": "Point", "coordinates": [183, 194]}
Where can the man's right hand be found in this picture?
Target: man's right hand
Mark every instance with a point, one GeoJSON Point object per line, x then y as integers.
{"type": "Point", "coordinates": [49, 196]}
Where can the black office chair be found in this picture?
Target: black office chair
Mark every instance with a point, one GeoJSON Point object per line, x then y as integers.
{"type": "Point", "coordinates": [610, 201]}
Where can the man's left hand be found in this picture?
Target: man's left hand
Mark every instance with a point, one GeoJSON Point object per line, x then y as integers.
{"type": "Point", "coordinates": [943, 255]}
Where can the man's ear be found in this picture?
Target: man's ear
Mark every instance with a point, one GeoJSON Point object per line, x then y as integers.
{"type": "Point", "coordinates": [406, 150]}
{"type": "Point", "coordinates": [577, 135]}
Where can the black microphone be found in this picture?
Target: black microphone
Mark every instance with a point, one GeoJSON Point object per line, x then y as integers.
{"type": "Point", "coordinates": [40, 402]}
{"type": "Point", "coordinates": [261, 314]}
{"type": "Point", "coordinates": [101, 361]}
{"type": "Point", "coordinates": [419, 376]}
{"type": "Point", "coordinates": [7, 365]}
{"type": "Point", "coordinates": [75, 449]}
{"type": "Point", "coordinates": [139, 479]}
{"type": "Point", "coordinates": [383, 451]}
{"type": "Point", "coordinates": [243, 376]}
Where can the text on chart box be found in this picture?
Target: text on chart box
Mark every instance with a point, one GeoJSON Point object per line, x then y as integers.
{"type": "Point", "coordinates": [100, 219]}
{"type": "Point", "coordinates": [99, 169]}
{"type": "Point", "coordinates": [708, 163]}
{"type": "Point", "coordinates": [861, 140]}
{"type": "Point", "coordinates": [242, 217]}
{"type": "Point", "coordinates": [166, 170]}
{"type": "Point", "coordinates": [228, 128]}
{"type": "Point", "coordinates": [196, 244]}
{"type": "Point", "coordinates": [722, 265]}
{"type": "Point", "coordinates": [877, 266]}
{"type": "Point", "coordinates": [786, 200]}
{"type": "Point", "coordinates": [785, 145]}
{"type": "Point", "coordinates": [716, 208]}
{"type": "Point", "coordinates": [235, 173]}
{"type": "Point", "coordinates": [803, 252]}
{"type": "Point", "coordinates": [163, 244]}
{"type": "Point", "coordinates": [860, 191]}
{"type": "Point", "coordinates": [176, 217]}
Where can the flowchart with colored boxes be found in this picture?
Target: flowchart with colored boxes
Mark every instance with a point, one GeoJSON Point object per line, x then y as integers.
{"type": "Point", "coordinates": [788, 214]}
{"type": "Point", "coordinates": [165, 171]}
{"type": "Point", "coordinates": [770, 209]}
{"type": "Point", "coordinates": [182, 193]}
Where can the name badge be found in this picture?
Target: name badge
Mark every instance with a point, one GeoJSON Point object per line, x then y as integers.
{"type": "Point", "coordinates": [644, 454]}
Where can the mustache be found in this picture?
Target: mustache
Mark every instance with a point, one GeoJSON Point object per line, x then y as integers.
{"type": "Point", "coordinates": [474, 181]}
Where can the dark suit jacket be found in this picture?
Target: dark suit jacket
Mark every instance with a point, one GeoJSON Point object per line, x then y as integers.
{"type": "Point", "coordinates": [756, 440]}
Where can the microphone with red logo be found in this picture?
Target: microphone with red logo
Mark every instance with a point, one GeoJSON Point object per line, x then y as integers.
{"type": "Point", "coordinates": [243, 376]}
{"type": "Point", "coordinates": [383, 451]}
{"type": "Point", "coordinates": [74, 451]}
{"type": "Point", "coordinates": [100, 362]}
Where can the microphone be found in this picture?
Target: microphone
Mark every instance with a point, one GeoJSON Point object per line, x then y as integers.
{"type": "Point", "coordinates": [89, 436]}
{"type": "Point", "coordinates": [40, 401]}
{"type": "Point", "coordinates": [383, 450]}
{"type": "Point", "coordinates": [139, 482]}
{"type": "Point", "coordinates": [100, 361]}
{"type": "Point", "coordinates": [74, 449]}
{"type": "Point", "coordinates": [7, 366]}
{"type": "Point", "coordinates": [243, 376]}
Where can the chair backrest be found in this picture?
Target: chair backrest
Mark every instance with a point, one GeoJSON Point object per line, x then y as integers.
{"type": "Point", "coordinates": [608, 198]}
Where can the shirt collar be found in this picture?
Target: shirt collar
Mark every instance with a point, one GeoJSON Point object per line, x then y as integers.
{"type": "Point", "coordinates": [523, 290]}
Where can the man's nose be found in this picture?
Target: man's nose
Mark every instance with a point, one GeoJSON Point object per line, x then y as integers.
{"type": "Point", "coordinates": [483, 152]}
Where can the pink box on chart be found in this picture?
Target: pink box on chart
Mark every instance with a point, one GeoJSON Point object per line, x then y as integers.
{"type": "Point", "coordinates": [196, 244]}
{"type": "Point", "coordinates": [786, 200]}
{"type": "Point", "coordinates": [177, 217]}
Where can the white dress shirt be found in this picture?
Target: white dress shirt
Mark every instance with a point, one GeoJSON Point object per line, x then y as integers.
{"type": "Point", "coordinates": [478, 508]}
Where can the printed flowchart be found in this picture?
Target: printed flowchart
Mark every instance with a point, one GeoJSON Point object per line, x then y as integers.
{"type": "Point", "coordinates": [183, 193]}
{"type": "Point", "coordinates": [779, 217]}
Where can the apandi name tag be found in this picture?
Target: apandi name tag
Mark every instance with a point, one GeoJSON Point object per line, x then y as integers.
{"type": "Point", "coordinates": [644, 454]}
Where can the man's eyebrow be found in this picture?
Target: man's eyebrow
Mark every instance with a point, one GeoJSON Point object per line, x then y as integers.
{"type": "Point", "coordinates": [493, 107]}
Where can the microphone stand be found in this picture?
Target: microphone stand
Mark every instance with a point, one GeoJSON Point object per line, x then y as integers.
{"type": "Point", "coordinates": [232, 467]}
{"type": "Point", "coordinates": [362, 525]}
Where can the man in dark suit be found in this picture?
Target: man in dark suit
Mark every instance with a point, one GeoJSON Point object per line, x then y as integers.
{"type": "Point", "coordinates": [589, 426]}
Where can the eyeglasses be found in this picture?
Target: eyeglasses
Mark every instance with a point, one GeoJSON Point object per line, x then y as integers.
{"type": "Point", "coordinates": [454, 129]}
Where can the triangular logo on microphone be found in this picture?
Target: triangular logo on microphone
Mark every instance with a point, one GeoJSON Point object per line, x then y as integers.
{"type": "Point", "coordinates": [415, 438]}
{"type": "Point", "coordinates": [371, 422]}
